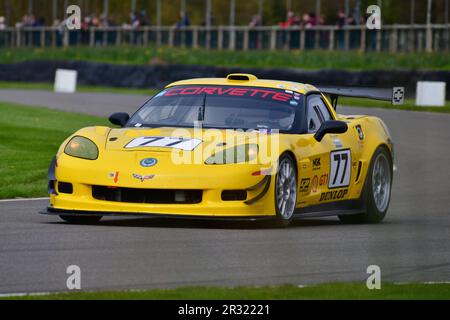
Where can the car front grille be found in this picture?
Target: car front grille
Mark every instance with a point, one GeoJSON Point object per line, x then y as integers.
{"type": "Point", "coordinates": [160, 196]}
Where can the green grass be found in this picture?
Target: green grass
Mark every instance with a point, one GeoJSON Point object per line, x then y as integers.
{"type": "Point", "coordinates": [80, 88]}
{"type": "Point", "coordinates": [29, 138]}
{"type": "Point", "coordinates": [352, 60]}
{"type": "Point", "coordinates": [350, 291]}
{"type": "Point", "coordinates": [409, 105]}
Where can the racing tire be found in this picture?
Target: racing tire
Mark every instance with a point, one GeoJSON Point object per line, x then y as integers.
{"type": "Point", "coordinates": [81, 220]}
{"type": "Point", "coordinates": [377, 190]}
{"type": "Point", "coordinates": [285, 191]}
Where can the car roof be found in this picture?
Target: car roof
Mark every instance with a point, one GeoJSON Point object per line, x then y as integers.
{"type": "Point", "coordinates": [247, 80]}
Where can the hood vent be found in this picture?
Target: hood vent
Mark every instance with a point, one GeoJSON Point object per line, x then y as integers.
{"type": "Point", "coordinates": [241, 77]}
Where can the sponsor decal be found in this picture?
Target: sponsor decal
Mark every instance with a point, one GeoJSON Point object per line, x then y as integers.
{"type": "Point", "coordinates": [337, 143]}
{"type": "Point", "coordinates": [333, 195]}
{"type": "Point", "coordinates": [360, 132]}
{"type": "Point", "coordinates": [323, 180]}
{"type": "Point", "coordinates": [304, 185]}
{"type": "Point", "coordinates": [114, 175]}
{"type": "Point", "coordinates": [143, 177]}
{"type": "Point", "coordinates": [316, 164]}
{"type": "Point", "coordinates": [315, 184]}
{"type": "Point", "coordinates": [148, 162]}
{"type": "Point", "coordinates": [164, 142]}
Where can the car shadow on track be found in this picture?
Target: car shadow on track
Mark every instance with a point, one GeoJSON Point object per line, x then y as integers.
{"type": "Point", "coordinates": [207, 224]}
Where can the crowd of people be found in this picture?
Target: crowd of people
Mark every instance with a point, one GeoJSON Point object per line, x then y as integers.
{"type": "Point", "coordinates": [139, 19]}
{"type": "Point", "coordinates": [310, 20]}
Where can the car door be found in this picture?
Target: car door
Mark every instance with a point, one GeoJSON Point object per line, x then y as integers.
{"type": "Point", "coordinates": [327, 164]}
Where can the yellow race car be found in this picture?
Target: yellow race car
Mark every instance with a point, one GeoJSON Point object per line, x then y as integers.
{"type": "Point", "coordinates": [230, 148]}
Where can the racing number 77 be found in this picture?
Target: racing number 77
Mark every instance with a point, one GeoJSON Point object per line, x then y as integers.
{"type": "Point", "coordinates": [340, 169]}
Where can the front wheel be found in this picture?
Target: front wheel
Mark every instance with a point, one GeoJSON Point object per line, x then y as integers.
{"type": "Point", "coordinates": [285, 190]}
{"type": "Point", "coordinates": [377, 190]}
{"type": "Point", "coordinates": [81, 220]}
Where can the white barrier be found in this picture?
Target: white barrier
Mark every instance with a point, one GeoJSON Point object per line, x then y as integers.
{"type": "Point", "coordinates": [430, 94]}
{"type": "Point", "coordinates": [66, 81]}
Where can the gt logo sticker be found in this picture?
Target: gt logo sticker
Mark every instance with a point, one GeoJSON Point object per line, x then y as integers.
{"type": "Point", "coordinates": [340, 169]}
{"type": "Point", "coordinates": [164, 142]}
{"type": "Point", "coordinates": [304, 185]}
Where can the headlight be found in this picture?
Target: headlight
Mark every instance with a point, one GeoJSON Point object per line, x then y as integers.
{"type": "Point", "coordinates": [237, 154]}
{"type": "Point", "coordinates": [81, 147]}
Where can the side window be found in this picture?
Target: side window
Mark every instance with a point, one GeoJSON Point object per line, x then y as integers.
{"type": "Point", "coordinates": [316, 113]}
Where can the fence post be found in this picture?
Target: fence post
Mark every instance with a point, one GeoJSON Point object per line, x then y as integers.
{"type": "Point", "coordinates": [91, 37]}
{"type": "Point", "coordinates": [232, 38]}
{"type": "Point", "coordinates": [346, 38]}
{"type": "Point", "coordinates": [171, 37]}
{"type": "Point", "coordinates": [394, 40]}
{"type": "Point", "coordinates": [429, 36]}
{"type": "Point", "coordinates": [302, 39]}
{"type": "Point", "coordinates": [42, 38]}
{"type": "Point", "coordinates": [195, 38]}
{"type": "Point", "coordinates": [19, 37]}
{"type": "Point", "coordinates": [246, 40]}
{"type": "Point", "coordinates": [119, 37]}
{"type": "Point", "coordinates": [273, 39]}
{"type": "Point", "coordinates": [158, 36]}
{"type": "Point", "coordinates": [362, 47]}
{"type": "Point", "coordinates": [331, 37]}
{"type": "Point", "coordinates": [220, 38]}
{"type": "Point", "coordinates": [145, 40]}
{"type": "Point", "coordinates": [378, 45]}
{"type": "Point", "coordinates": [66, 38]}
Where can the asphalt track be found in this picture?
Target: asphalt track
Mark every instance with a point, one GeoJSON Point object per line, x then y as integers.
{"type": "Point", "coordinates": [413, 244]}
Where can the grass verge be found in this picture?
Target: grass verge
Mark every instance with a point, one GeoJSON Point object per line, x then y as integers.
{"type": "Point", "coordinates": [409, 105]}
{"type": "Point", "coordinates": [80, 88]}
{"type": "Point", "coordinates": [341, 291]}
{"type": "Point", "coordinates": [29, 138]}
{"type": "Point", "coordinates": [310, 60]}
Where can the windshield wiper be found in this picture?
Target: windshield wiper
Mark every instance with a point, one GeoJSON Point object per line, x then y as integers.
{"type": "Point", "coordinates": [201, 110]}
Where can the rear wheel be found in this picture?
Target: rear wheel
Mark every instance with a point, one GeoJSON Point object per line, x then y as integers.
{"type": "Point", "coordinates": [285, 190]}
{"type": "Point", "coordinates": [81, 220]}
{"type": "Point", "coordinates": [377, 190]}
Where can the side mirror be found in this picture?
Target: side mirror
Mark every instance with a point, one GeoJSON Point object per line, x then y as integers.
{"type": "Point", "coordinates": [119, 118]}
{"type": "Point", "coordinates": [330, 127]}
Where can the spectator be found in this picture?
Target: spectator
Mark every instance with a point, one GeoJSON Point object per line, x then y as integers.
{"type": "Point", "coordinates": [292, 20]}
{"type": "Point", "coordinates": [2, 23]}
{"type": "Point", "coordinates": [341, 19]}
{"type": "Point", "coordinates": [256, 21]}
{"type": "Point", "coordinates": [308, 21]}
{"type": "Point", "coordinates": [184, 20]}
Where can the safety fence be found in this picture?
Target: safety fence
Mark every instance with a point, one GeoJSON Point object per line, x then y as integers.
{"type": "Point", "coordinates": [391, 38]}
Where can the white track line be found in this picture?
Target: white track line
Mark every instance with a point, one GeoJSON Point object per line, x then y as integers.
{"type": "Point", "coordinates": [24, 199]}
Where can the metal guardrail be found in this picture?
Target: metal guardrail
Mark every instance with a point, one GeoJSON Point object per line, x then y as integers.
{"type": "Point", "coordinates": [391, 38]}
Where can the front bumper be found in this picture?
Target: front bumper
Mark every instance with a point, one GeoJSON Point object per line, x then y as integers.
{"type": "Point", "coordinates": [81, 200]}
{"type": "Point", "coordinates": [77, 213]}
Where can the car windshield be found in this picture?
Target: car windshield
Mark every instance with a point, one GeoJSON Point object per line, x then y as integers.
{"type": "Point", "coordinates": [224, 107]}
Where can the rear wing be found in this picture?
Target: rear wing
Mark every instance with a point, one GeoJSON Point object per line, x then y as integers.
{"type": "Point", "coordinates": [395, 95]}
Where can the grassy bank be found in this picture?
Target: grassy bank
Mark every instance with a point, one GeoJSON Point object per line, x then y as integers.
{"type": "Point", "coordinates": [80, 88]}
{"type": "Point", "coordinates": [355, 291]}
{"type": "Point", "coordinates": [29, 138]}
{"type": "Point", "coordinates": [254, 59]}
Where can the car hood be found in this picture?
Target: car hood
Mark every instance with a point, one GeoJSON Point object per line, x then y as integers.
{"type": "Point", "coordinates": [169, 139]}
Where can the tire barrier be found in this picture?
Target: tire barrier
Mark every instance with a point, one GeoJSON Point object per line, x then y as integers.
{"type": "Point", "coordinates": [158, 75]}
